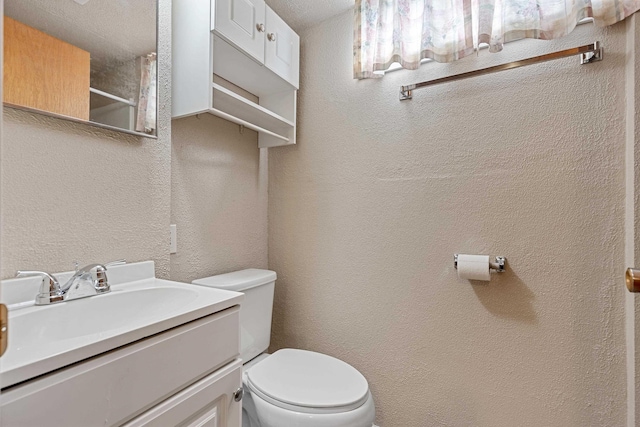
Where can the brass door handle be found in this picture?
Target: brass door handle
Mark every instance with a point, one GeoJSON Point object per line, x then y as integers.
{"type": "Point", "coordinates": [4, 328]}
{"type": "Point", "coordinates": [632, 277]}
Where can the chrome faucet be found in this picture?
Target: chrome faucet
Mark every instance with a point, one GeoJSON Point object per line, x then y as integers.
{"type": "Point", "coordinates": [86, 282]}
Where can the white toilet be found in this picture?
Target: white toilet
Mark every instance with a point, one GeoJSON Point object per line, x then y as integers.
{"type": "Point", "coordinates": [290, 388]}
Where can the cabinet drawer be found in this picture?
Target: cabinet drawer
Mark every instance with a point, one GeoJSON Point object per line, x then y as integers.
{"type": "Point", "coordinates": [209, 402]}
{"type": "Point", "coordinates": [116, 386]}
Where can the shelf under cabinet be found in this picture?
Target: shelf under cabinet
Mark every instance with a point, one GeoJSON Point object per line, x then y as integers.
{"type": "Point", "coordinates": [231, 106]}
{"type": "Point", "coordinates": [247, 124]}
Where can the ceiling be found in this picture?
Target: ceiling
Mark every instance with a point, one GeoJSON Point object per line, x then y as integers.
{"type": "Point", "coordinates": [122, 29]}
{"type": "Point", "coordinates": [302, 14]}
{"type": "Point", "coordinates": [114, 30]}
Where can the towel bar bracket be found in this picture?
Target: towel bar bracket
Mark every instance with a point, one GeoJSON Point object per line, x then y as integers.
{"type": "Point", "coordinates": [589, 57]}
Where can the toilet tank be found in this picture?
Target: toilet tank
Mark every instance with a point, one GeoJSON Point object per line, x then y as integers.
{"type": "Point", "coordinates": [256, 308]}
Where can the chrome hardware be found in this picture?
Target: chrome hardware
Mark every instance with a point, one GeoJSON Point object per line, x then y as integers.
{"type": "Point", "coordinates": [632, 277]}
{"type": "Point", "coordinates": [50, 291]}
{"type": "Point", "coordinates": [499, 265]}
{"type": "Point", "coordinates": [588, 53]}
{"type": "Point", "coordinates": [271, 37]}
{"type": "Point", "coordinates": [86, 282]}
{"type": "Point", "coordinates": [406, 92]}
{"type": "Point", "coordinates": [4, 328]}
{"type": "Point", "coordinates": [238, 394]}
{"type": "Point", "coordinates": [260, 28]}
{"type": "Point", "coordinates": [597, 54]}
{"type": "Point", "coordinates": [495, 267]}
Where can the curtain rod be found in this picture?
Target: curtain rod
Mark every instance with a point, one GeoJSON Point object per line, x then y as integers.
{"type": "Point", "coordinates": [588, 53]}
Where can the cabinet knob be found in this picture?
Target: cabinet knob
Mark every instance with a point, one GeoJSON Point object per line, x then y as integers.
{"type": "Point", "coordinates": [238, 394]}
{"type": "Point", "coordinates": [260, 27]}
{"type": "Point", "coordinates": [271, 37]}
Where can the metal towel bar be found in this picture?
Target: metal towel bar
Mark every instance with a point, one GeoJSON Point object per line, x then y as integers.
{"type": "Point", "coordinates": [588, 54]}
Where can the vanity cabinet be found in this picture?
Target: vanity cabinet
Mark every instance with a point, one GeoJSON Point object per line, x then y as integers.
{"type": "Point", "coordinates": [236, 59]}
{"type": "Point", "coordinates": [185, 376]}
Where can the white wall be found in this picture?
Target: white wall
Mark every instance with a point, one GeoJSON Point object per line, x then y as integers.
{"type": "Point", "coordinates": [219, 198]}
{"type": "Point", "coordinates": [366, 212]}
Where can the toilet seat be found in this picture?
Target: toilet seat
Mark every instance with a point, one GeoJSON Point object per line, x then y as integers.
{"type": "Point", "coordinates": [308, 382]}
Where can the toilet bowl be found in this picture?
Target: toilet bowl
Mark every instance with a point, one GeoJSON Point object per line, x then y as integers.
{"type": "Point", "coordinates": [294, 388]}
{"type": "Point", "coordinates": [290, 388]}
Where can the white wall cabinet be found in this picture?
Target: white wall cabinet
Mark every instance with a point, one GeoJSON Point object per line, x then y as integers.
{"type": "Point", "coordinates": [245, 43]}
{"type": "Point", "coordinates": [255, 29]}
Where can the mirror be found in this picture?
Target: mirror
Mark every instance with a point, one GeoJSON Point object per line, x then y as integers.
{"type": "Point", "coordinates": [89, 61]}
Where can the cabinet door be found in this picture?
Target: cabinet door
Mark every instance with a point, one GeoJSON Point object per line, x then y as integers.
{"type": "Point", "coordinates": [282, 51]}
{"type": "Point", "coordinates": [242, 23]}
{"type": "Point", "coordinates": [208, 403]}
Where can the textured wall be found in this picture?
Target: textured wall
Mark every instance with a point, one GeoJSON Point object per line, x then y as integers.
{"type": "Point", "coordinates": [76, 192]}
{"type": "Point", "coordinates": [70, 191]}
{"type": "Point", "coordinates": [366, 212]}
{"type": "Point", "coordinates": [219, 198]}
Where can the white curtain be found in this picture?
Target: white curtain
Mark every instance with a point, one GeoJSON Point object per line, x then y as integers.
{"type": "Point", "coordinates": [406, 31]}
{"type": "Point", "coordinates": [147, 99]}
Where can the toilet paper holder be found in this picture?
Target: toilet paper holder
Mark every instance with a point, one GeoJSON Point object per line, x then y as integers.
{"type": "Point", "coordinates": [497, 267]}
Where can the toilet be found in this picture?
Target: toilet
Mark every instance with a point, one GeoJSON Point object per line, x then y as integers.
{"type": "Point", "coordinates": [289, 388]}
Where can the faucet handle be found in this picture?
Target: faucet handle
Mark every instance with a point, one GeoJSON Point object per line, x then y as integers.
{"type": "Point", "coordinates": [101, 282]}
{"type": "Point", "coordinates": [99, 272]}
{"type": "Point", "coordinates": [49, 288]}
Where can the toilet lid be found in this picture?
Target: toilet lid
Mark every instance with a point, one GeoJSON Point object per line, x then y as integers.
{"type": "Point", "coordinates": [307, 379]}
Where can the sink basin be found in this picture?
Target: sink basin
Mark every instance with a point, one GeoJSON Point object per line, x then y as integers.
{"type": "Point", "coordinates": [45, 338]}
{"type": "Point", "coordinates": [35, 329]}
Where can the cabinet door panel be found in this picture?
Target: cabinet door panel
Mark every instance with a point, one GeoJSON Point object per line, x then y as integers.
{"type": "Point", "coordinates": [207, 403]}
{"type": "Point", "coordinates": [282, 51]}
{"type": "Point", "coordinates": [242, 23]}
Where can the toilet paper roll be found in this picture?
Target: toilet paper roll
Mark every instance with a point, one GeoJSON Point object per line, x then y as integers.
{"type": "Point", "coordinates": [473, 267]}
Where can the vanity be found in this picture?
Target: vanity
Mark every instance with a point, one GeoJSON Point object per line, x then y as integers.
{"type": "Point", "coordinates": [150, 352]}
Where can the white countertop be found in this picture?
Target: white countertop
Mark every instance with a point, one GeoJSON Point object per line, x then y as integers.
{"type": "Point", "coordinates": [45, 338]}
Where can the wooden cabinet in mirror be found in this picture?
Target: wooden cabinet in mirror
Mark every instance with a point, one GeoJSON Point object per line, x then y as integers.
{"type": "Point", "coordinates": [92, 63]}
